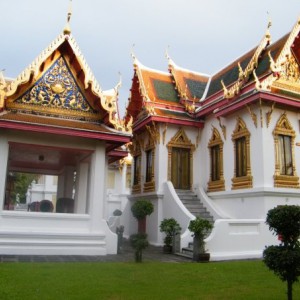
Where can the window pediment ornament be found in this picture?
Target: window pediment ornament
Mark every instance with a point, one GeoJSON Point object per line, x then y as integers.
{"type": "Point", "coordinates": [240, 129]}
{"type": "Point", "coordinates": [181, 140]}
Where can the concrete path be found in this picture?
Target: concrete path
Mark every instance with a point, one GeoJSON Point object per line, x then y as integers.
{"type": "Point", "coordinates": [127, 255]}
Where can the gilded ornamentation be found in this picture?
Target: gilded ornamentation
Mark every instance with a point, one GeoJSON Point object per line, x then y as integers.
{"type": "Point", "coordinates": [190, 108]}
{"type": "Point", "coordinates": [198, 137]}
{"type": "Point", "coordinates": [244, 74]}
{"type": "Point", "coordinates": [223, 128]}
{"type": "Point", "coordinates": [252, 114]}
{"type": "Point", "coordinates": [261, 114]}
{"type": "Point", "coordinates": [284, 128]}
{"type": "Point", "coordinates": [154, 134]}
{"type": "Point", "coordinates": [164, 133]}
{"type": "Point", "coordinates": [280, 65]}
{"type": "Point", "coordinates": [2, 90]}
{"type": "Point", "coordinates": [34, 68]}
{"type": "Point", "coordinates": [56, 89]}
{"type": "Point", "coordinates": [67, 29]}
{"type": "Point", "coordinates": [109, 103]}
{"type": "Point", "coordinates": [290, 70]}
{"type": "Point", "coordinates": [269, 114]}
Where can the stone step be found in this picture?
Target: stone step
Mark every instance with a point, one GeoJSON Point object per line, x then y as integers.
{"type": "Point", "coordinates": [193, 204]}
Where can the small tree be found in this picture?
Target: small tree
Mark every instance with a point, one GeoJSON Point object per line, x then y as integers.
{"type": "Point", "coordinates": [284, 259]}
{"type": "Point", "coordinates": [140, 209]}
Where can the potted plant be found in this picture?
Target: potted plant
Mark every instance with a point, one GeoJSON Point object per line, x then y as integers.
{"type": "Point", "coordinates": [171, 228]}
{"type": "Point", "coordinates": [140, 209]}
{"type": "Point", "coordinates": [200, 228]}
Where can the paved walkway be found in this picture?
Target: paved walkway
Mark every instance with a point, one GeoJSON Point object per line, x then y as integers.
{"type": "Point", "coordinates": [127, 255]}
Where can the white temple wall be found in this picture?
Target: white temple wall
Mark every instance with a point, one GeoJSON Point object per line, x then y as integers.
{"type": "Point", "coordinates": [23, 232]}
{"type": "Point", "coordinates": [3, 170]}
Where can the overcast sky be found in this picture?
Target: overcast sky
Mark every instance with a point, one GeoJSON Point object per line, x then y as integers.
{"type": "Point", "coordinates": [202, 35]}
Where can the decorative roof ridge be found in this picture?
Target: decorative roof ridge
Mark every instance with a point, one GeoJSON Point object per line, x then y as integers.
{"type": "Point", "coordinates": [3, 87]}
{"type": "Point", "coordinates": [109, 102]}
{"type": "Point", "coordinates": [278, 65]}
{"type": "Point", "coordinates": [175, 66]}
{"type": "Point", "coordinates": [206, 89]}
{"type": "Point", "coordinates": [251, 66]}
{"type": "Point", "coordinates": [114, 130]}
{"type": "Point", "coordinates": [33, 68]}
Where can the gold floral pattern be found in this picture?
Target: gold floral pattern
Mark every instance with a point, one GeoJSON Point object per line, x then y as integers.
{"type": "Point", "coordinates": [56, 89]}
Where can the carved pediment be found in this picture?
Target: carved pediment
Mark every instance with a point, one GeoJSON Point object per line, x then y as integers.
{"type": "Point", "coordinates": [289, 76]}
{"type": "Point", "coordinates": [56, 93]}
{"type": "Point", "coordinates": [181, 140]}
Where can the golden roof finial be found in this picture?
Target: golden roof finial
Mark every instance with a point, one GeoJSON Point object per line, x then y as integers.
{"type": "Point", "coordinates": [268, 34]}
{"type": "Point", "coordinates": [132, 52]}
{"type": "Point", "coordinates": [2, 80]}
{"type": "Point", "coordinates": [167, 53]}
{"type": "Point", "coordinates": [67, 29]}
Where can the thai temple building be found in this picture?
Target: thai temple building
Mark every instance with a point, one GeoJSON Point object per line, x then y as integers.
{"type": "Point", "coordinates": [56, 120]}
{"type": "Point", "coordinates": [224, 147]}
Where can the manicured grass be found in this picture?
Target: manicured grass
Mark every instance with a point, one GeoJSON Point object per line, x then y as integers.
{"type": "Point", "coordinates": [149, 280]}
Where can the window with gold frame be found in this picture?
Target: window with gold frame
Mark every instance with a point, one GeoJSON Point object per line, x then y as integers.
{"type": "Point", "coordinates": [242, 168]}
{"type": "Point", "coordinates": [215, 145]}
{"type": "Point", "coordinates": [135, 151]}
{"type": "Point", "coordinates": [285, 168]}
{"type": "Point", "coordinates": [149, 184]}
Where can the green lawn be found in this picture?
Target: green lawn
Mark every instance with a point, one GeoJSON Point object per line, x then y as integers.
{"type": "Point", "coordinates": [223, 280]}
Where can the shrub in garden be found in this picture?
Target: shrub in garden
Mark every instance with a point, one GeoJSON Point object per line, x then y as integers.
{"type": "Point", "coordinates": [284, 259]}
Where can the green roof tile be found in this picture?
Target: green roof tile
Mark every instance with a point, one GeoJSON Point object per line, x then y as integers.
{"type": "Point", "coordinates": [196, 88]}
{"type": "Point", "coordinates": [165, 90]}
{"type": "Point", "coordinates": [228, 77]}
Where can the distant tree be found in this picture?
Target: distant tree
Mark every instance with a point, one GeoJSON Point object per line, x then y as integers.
{"type": "Point", "coordinates": [284, 259]}
{"type": "Point", "coordinates": [21, 183]}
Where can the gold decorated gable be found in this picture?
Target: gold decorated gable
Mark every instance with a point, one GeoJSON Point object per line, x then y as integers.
{"type": "Point", "coordinates": [56, 93]}
{"type": "Point", "coordinates": [289, 76]}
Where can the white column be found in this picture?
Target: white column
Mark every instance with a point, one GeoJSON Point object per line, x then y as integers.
{"type": "Point", "coordinates": [4, 150]}
{"type": "Point", "coordinates": [97, 189]}
{"type": "Point", "coordinates": [60, 186]}
{"type": "Point", "coordinates": [69, 181]}
{"type": "Point", "coordinates": [81, 188]}
{"type": "Point", "coordinates": [124, 178]}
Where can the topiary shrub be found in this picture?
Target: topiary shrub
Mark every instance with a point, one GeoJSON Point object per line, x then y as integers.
{"type": "Point", "coordinates": [284, 259]}
{"type": "Point", "coordinates": [140, 209]}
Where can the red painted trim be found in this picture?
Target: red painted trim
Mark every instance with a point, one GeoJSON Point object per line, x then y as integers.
{"type": "Point", "coordinates": [223, 111]}
{"type": "Point", "coordinates": [116, 153]}
{"type": "Point", "coordinates": [63, 131]}
{"type": "Point", "coordinates": [197, 124]}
